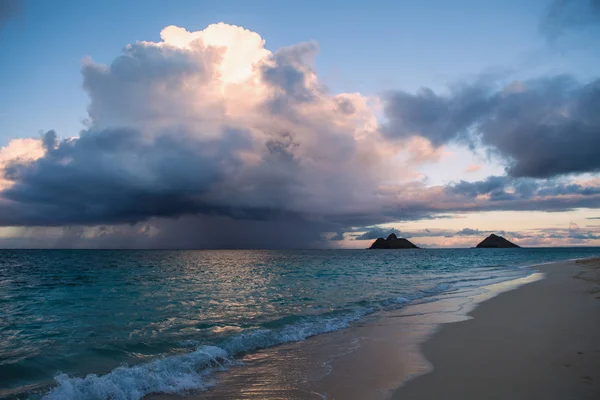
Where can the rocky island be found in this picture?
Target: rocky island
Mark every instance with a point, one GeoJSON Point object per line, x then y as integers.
{"type": "Point", "coordinates": [496, 242]}
{"type": "Point", "coordinates": [392, 242]}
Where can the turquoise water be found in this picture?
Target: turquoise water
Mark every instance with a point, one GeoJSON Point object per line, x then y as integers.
{"type": "Point", "coordinates": [120, 324]}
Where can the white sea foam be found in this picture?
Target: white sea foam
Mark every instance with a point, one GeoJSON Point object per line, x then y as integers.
{"type": "Point", "coordinates": [439, 288]}
{"type": "Point", "coordinates": [166, 375]}
{"type": "Point", "coordinates": [179, 373]}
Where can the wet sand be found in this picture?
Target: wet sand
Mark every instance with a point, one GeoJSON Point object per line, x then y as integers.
{"type": "Point", "coordinates": [539, 342]}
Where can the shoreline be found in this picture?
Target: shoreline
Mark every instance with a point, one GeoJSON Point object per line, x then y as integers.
{"type": "Point", "coordinates": [389, 354]}
{"type": "Point", "coordinates": [332, 365]}
{"type": "Point", "coordinates": [541, 341]}
{"type": "Point", "coordinates": [465, 347]}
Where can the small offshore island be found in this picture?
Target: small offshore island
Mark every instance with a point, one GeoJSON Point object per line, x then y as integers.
{"type": "Point", "coordinates": [496, 242]}
{"type": "Point", "coordinates": [393, 242]}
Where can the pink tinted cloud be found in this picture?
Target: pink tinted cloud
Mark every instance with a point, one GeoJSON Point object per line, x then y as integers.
{"type": "Point", "coordinates": [472, 168]}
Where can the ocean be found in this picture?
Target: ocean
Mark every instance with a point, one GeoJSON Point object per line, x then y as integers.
{"type": "Point", "coordinates": [112, 324]}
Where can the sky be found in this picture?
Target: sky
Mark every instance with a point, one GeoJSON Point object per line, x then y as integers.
{"type": "Point", "coordinates": [234, 124]}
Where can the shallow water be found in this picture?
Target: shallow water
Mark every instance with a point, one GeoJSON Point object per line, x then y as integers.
{"type": "Point", "coordinates": [160, 321]}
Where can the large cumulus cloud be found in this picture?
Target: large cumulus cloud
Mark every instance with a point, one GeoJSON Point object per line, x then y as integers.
{"type": "Point", "coordinates": [208, 123]}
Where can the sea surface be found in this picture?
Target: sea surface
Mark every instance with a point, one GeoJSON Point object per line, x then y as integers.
{"type": "Point", "coordinates": [108, 324]}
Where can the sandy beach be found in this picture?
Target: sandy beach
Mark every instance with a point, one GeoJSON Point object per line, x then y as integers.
{"type": "Point", "coordinates": [539, 342]}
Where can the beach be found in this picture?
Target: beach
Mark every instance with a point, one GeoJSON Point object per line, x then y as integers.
{"type": "Point", "coordinates": [536, 337]}
{"type": "Point", "coordinates": [539, 342]}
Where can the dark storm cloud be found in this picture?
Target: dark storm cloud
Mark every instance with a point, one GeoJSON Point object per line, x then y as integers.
{"type": "Point", "coordinates": [94, 180]}
{"type": "Point", "coordinates": [120, 176]}
{"type": "Point", "coordinates": [542, 128]}
{"type": "Point", "coordinates": [565, 15]}
{"type": "Point", "coordinates": [116, 176]}
{"type": "Point", "coordinates": [550, 128]}
{"type": "Point", "coordinates": [438, 118]}
{"type": "Point", "coordinates": [190, 232]}
{"type": "Point", "coordinates": [225, 232]}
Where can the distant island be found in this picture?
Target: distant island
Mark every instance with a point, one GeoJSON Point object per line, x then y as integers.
{"type": "Point", "coordinates": [392, 242]}
{"type": "Point", "coordinates": [496, 242]}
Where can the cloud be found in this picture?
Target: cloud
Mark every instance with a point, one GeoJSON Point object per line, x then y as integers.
{"type": "Point", "coordinates": [115, 176]}
{"type": "Point", "coordinates": [568, 189]}
{"type": "Point", "coordinates": [472, 168]}
{"type": "Point", "coordinates": [192, 232]}
{"type": "Point", "coordinates": [541, 128]}
{"type": "Point", "coordinates": [565, 15]}
{"type": "Point", "coordinates": [377, 232]}
{"type": "Point", "coordinates": [211, 123]}
{"type": "Point", "coordinates": [469, 232]}
{"type": "Point", "coordinates": [504, 187]}
{"type": "Point", "coordinates": [23, 151]}
{"type": "Point", "coordinates": [208, 139]}
{"type": "Point", "coordinates": [520, 194]}
{"type": "Point", "coordinates": [440, 119]}
{"type": "Point", "coordinates": [575, 232]}
{"type": "Point", "coordinates": [494, 186]}
{"type": "Point", "coordinates": [571, 235]}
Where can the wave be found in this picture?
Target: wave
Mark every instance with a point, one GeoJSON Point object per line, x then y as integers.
{"type": "Point", "coordinates": [178, 373]}
{"type": "Point", "coordinates": [191, 371]}
{"type": "Point", "coordinates": [171, 374]}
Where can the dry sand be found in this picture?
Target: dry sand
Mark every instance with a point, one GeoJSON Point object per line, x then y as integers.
{"type": "Point", "coordinates": [539, 342]}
